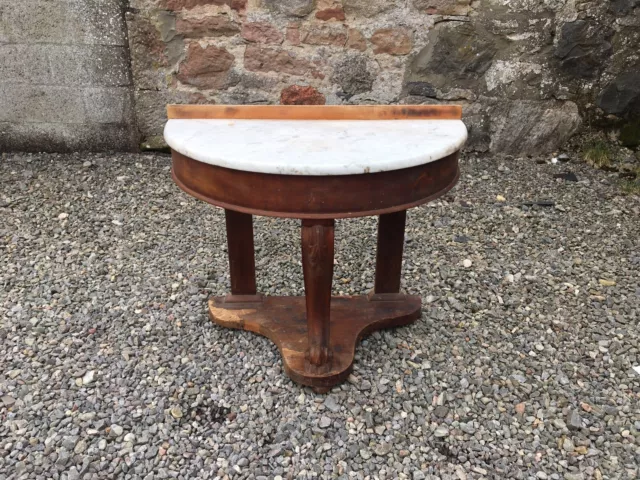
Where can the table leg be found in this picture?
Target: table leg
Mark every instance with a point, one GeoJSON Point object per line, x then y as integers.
{"type": "Point", "coordinates": [242, 264]}
{"type": "Point", "coordinates": [316, 334]}
{"type": "Point", "coordinates": [317, 265]}
{"type": "Point", "coordinates": [389, 255]}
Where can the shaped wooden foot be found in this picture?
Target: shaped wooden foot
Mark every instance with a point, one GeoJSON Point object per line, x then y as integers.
{"type": "Point", "coordinates": [284, 321]}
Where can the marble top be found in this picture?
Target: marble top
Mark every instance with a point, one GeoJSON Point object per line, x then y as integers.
{"type": "Point", "coordinates": [315, 147]}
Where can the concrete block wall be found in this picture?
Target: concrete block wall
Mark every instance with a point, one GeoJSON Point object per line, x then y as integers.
{"type": "Point", "coordinates": [65, 81]}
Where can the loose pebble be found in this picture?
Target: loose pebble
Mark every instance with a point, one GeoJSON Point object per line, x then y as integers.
{"type": "Point", "coordinates": [520, 366]}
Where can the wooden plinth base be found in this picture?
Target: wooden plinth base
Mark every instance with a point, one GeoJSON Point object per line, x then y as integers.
{"type": "Point", "coordinates": [283, 320]}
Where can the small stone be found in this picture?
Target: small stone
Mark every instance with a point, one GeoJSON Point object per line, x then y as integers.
{"type": "Point", "coordinates": [325, 422]}
{"type": "Point", "coordinates": [441, 411]}
{"type": "Point", "coordinates": [80, 447]}
{"type": "Point", "coordinates": [466, 263]}
{"type": "Point", "coordinates": [568, 446]}
{"type": "Point", "coordinates": [102, 444]}
{"type": "Point", "coordinates": [500, 198]}
{"type": "Point", "coordinates": [586, 407]}
{"type": "Point", "coordinates": [573, 476]}
{"type": "Point", "coordinates": [176, 412]}
{"type": "Point", "coordinates": [441, 431]}
{"type": "Point", "coordinates": [86, 416]}
{"type": "Point", "coordinates": [418, 475]}
{"type": "Point", "coordinates": [380, 429]}
{"type": "Point", "coordinates": [542, 475]}
{"type": "Point", "coordinates": [520, 408]}
{"type": "Point", "coordinates": [63, 215]}
{"type": "Point", "coordinates": [365, 454]}
{"type": "Point", "coordinates": [88, 377]}
{"type": "Point", "coordinates": [8, 400]}
{"type": "Point", "coordinates": [116, 430]}
{"type": "Point", "coordinates": [69, 442]}
{"type": "Point", "coordinates": [559, 423]}
{"type": "Point", "coordinates": [607, 283]}
{"type": "Point", "coordinates": [63, 458]}
{"type": "Point", "coordinates": [331, 403]}
{"type": "Point", "coordinates": [382, 449]}
{"type": "Point", "coordinates": [468, 428]}
{"type": "Point", "coordinates": [129, 437]}
{"type": "Point", "coordinates": [151, 452]}
{"type": "Point", "coordinates": [574, 420]}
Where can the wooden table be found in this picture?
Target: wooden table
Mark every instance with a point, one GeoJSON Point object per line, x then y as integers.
{"type": "Point", "coordinates": [317, 164]}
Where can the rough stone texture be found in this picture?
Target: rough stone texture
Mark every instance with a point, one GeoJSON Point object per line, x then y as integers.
{"type": "Point", "coordinates": [213, 26]}
{"type": "Point", "coordinates": [444, 7]}
{"type": "Point", "coordinates": [393, 41]}
{"type": "Point", "coordinates": [583, 47]}
{"type": "Point", "coordinates": [622, 95]}
{"type": "Point", "coordinates": [295, 8]}
{"type": "Point", "coordinates": [176, 5]}
{"type": "Point", "coordinates": [65, 81]}
{"type": "Point", "coordinates": [259, 59]}
{"type": "Point", "coordinates": [356, 40]}
{"type": "Point", "coordinates": [325, 35]}
{"type": "Point", "coordinates": [261, 32]}
{"type": "Point", "coordinates": [299, 95]}
{"type": "Point", "coordinates": [331, 13]}
{"type": "Point", "coordinates": [526, 71]}
{"type": "Point", "coordinates": [206, 67]}
{"type": "Point", "coordinates": [353, 75]}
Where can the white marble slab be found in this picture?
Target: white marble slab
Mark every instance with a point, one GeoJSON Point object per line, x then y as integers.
{"type": "Point", "coordinates": [315, 147]}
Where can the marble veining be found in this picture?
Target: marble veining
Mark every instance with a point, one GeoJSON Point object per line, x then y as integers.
{"type": "Point", "coordinates": [315, 147]}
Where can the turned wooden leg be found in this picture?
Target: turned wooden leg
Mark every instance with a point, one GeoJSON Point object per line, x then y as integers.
{"type": "Point", "coordinates": [317, 265]}
{"type": "Point", "coordinates": [242, 264]}
{"type": "Point", "coordinates": [389, 255]}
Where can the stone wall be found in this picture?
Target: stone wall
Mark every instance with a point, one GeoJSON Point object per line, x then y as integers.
{"type": "Point", "coordinates": [529, 72]}
{"type": "Point", "coordinates": [65, 81]}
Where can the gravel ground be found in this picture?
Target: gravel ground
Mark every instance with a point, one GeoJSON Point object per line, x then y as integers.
{"type": "Point", "coordinates": [521, 366]}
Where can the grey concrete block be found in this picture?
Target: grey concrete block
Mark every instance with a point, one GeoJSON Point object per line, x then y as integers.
{"type": "Point", "coordinates": [89, 65]}
{"type": "Point", "coordinates": [62, 104]}
{"type": "Point", "coordinates": [60, 137]}
{"type": "Point", "coordinates": [50, 64]}
{"type": "Point", "coordinates": [98, 22]}
{"type": "Point", "coordinates": [29, 103]}
{"type": "Point", "coordinates": [108, 105]}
